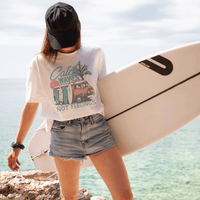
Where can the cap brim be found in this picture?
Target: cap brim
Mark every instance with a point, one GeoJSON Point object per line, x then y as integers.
{"type": "Point", "coordinates": [63, 41]}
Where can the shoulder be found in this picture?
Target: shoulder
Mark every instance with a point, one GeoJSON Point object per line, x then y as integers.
{"type": "Point", "coordinates": [92, 48]}
{"type": "Point", "coordinates": [35, 61]}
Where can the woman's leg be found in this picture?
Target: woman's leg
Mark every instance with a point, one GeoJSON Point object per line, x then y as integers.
{"type": "Point", "coordinates": [68, 173]}
{"type": "Point", "coordinates": [111, 168]}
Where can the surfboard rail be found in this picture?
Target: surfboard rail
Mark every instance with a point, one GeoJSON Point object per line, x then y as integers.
{"type": "Point", "coordinates": [144, 102]}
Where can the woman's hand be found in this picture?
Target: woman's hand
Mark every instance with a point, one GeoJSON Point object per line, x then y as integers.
{"type": "Point", "coordinates": [28, 115]}
{"type": "Point", "coordinates": [13, 161]}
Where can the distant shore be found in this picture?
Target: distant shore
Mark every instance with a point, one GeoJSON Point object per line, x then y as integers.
{"type": "Point", "coordinates": [36, 185]}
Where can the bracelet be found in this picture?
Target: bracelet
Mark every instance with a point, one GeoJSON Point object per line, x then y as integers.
{"type": "Point", "coordinates": [17, 145]}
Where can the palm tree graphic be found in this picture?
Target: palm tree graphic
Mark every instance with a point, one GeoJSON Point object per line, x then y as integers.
{"type": "Point", "coordinates": [82, 70]}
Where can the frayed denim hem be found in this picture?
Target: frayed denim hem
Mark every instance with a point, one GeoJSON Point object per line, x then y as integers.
{"type": "Point", "coordinates": [66, 159]}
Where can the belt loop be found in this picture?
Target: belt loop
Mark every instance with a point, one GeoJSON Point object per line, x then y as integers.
{"type": "Point", "coordinates": [56, 123]}
{"type": "Point", "coordinates": [82, 119]}
{"type": "Point", "coordinates": [69, 123]}
{"type": "Point", "coordinates": [91, 119]}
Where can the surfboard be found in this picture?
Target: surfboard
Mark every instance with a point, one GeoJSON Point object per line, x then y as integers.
{"type": "Point", "coordinates": [144, 102]}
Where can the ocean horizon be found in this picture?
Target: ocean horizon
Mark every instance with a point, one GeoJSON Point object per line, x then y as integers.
{"type": "Point", "coordinates": [166, 170]}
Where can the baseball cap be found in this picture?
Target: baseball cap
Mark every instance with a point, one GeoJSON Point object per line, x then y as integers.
{"type": "Point", "coordinates": [61, 23]}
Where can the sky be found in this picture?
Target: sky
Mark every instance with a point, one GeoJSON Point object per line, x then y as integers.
{"type": "Point", "coordinates": [127, 31]}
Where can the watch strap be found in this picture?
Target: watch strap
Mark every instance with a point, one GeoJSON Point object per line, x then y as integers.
{"type": "Point", "coordinates": [17, 145]}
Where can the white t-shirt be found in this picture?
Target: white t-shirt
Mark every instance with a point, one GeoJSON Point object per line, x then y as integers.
{"type": "Point", "coordinates": [67, 89]}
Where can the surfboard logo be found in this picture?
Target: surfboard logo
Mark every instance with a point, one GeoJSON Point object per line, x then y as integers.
{"type": "Point", "coordinates": [165, 69]}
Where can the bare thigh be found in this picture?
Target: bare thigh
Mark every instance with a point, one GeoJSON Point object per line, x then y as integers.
{"type": "Point", "coordinates": [111, 168]}
{"type": "Point", "coordinates": [68, 173]}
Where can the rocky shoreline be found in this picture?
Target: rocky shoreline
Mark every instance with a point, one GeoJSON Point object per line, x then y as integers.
{"type": "Point", "coordinates": [34, 185]}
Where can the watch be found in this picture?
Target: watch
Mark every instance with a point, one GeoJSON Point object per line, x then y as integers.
{"type": "Point", "coordinates": [17, 145]}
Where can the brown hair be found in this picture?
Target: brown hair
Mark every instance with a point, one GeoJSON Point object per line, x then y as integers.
{"type": "Point", "coordinates": [48, 52]}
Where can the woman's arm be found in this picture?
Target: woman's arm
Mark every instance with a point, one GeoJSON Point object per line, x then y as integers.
{"type": "Point", "coordinates": [28, 115]}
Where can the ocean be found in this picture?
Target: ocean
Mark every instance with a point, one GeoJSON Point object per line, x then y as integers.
{"type": "Point", "coordinates": [166, 170]}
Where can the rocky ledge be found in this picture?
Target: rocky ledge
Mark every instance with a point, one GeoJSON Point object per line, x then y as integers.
{"type": "Point", "coordinates": [34, 185]}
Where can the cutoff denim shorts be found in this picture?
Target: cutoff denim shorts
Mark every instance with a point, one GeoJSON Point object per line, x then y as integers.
{"type": "Point", "coordinates": [78, 138]}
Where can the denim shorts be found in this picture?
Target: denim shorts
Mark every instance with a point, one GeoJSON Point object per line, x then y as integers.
{"type": "Point", "coordinates": [78, 138]}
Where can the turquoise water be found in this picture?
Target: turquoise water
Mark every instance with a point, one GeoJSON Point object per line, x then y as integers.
{"type": "Point", "coordinates": [166, 170]}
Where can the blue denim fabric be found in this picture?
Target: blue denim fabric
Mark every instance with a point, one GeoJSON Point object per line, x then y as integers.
{"type": "Point", "coordinates": [78, 138]}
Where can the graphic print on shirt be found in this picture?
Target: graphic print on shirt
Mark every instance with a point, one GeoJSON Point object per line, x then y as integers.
{"type": "Point", "coordinates": [70, 87]}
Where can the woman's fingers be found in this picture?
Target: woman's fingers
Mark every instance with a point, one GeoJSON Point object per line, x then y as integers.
{"type": "Point", "coordinates": [10, 160]}
{"type": "Point", "coordinates": [13, 161]}
{"type": "Point", "coordinates": [18, 162]}
{"type": "Point", "coordinates": [16, 168]}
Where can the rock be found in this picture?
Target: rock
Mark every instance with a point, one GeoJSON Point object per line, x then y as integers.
{"type": "Point", "coordinates": [34, 185]}
{"type": "Point", "coordinates": [97, 198]}
{"type": "Point", "coordinates": [2, 197]}
{"type": "Point", "coordinates": [84, 194]}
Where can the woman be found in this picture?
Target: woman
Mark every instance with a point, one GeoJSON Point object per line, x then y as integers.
{"type": "Point", "coordinates": [63, 78]}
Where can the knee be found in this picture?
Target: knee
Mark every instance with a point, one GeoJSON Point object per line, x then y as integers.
{"type": "Point", "coordinates": [128, 196]}
{"type": "Point", "coordinates": [69, 197]}
{"type": "Point", "coordinates": [125, 196]}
